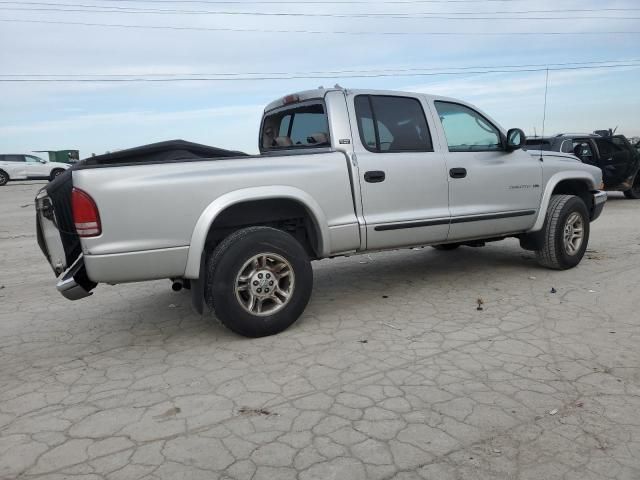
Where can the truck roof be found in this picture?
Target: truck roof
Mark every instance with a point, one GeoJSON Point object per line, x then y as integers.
{"type": "Point", "coordinates": [320, 92]}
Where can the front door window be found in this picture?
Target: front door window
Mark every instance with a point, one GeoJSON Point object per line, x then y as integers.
{"type": "Point", "coordinates": [466, 130]}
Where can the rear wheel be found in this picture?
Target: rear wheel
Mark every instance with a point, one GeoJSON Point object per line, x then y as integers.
{"type": "Point", "coordinates": [634, 191]}
{"type": "Point", "coordinates": [259, 281]}
{"type": "Point", "coordinates": [565, 234]}
{"type": "Point", "coordinates": [4, 178]}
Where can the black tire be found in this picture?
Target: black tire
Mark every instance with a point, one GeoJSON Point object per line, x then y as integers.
{"type": "Point", "coordinates": [634, 192]}
{"type": "Point", "coordinates": [225, 264]}
{"type": "Point", "coordinates": [446, 246]}
{"type": "Point", "coordinates": [4, 178]}
{"type": "Point", "coordinates": [555, 253]}
{"type": "Point", "coordinates": [55, 173]}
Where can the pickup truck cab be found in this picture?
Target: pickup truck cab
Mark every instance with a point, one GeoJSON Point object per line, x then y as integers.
{"type": "Point", "coordinates": [340, 172]}
{"type": "Point", "coordinates": [28, 167]}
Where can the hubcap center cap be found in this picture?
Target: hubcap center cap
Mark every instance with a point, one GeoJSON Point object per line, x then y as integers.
{"type": "Point", "coordinates": [263, 283]}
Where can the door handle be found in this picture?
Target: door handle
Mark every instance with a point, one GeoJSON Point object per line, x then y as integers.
{"type": "Point", "coordinates": [374, 176]}
{"type": "Point", "coordinates": [458, 172]}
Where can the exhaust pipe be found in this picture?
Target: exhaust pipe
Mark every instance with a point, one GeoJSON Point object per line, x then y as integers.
{"type": "Point", "coordinates": [177, 285]}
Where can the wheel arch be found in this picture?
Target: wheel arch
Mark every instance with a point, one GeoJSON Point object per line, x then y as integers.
{"type": "Point", "coordinates": [219, 212]}
{"type": "Point", "coordinates": [580, 184]}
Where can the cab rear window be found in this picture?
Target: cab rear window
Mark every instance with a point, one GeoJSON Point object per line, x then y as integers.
{"type": "Point", "coordinates": [299, 126]}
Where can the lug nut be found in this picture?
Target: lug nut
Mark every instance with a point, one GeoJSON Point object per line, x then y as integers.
{"type": "Point", "coordinates": [268, 275]}
{"type": "Point", "coordinates": [271, 282]}
{"type": "Point", "coordinates": [255, 283]}
{"type": "Point", "coordinates": [259, 290]}
{"type": "Point", "coordinates": [266, 290]}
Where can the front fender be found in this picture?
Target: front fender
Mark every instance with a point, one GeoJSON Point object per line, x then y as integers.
{"type": "Point", "coordinates": [552, 183]}
{"type": "Point", "coordinates": [208, 216]}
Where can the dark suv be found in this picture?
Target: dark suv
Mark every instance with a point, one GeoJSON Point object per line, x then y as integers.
{"type": "Point", "coordinates": [613, 154]}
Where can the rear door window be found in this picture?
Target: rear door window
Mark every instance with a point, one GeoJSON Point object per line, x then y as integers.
{"type": "Point", "coordinates": [389, 124]}
{"type": "Point", "coordinates": [612, 151]}
{"type": "Point", "coordinates": [14, 158]}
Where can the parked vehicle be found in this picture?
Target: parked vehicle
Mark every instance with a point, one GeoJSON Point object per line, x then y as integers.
{"type": "Point", "coordinates": [340, 172]}
{"type": "Point", "coordinates": [619, 161]}
{"type": "Point", "coordinates": [28, 167]}
{"type": "Point", "coordinates": [62, 156]}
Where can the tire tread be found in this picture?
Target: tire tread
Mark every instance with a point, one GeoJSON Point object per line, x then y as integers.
{"type": "Point", "coordinates": [238, 324]}
{"type": "Point", "coordinates": [551, 254]}
{"type": "Point", "coordinates": [548, 254]}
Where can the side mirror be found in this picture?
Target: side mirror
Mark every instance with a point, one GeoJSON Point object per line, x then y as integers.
{"type": "Point", "coordinates": [515, 139]}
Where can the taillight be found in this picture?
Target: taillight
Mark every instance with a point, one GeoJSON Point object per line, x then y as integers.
{"type": "Point", "coordinates": [85, 214]}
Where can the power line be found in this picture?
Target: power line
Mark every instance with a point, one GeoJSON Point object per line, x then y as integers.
{"type": "Point", "coordinates": [384, 14]}
{"type": "Point", "coordinates": [79, 8]}
{"type": "Point", "coordinates": [309, 77]}
{"type": "Point", "coordinates": [562, 10]}
{"type": "Point", "coordinates": [311, 2]}
{"type": "Point", "coordinates": [317, 32]}
{"type": "Point", "coordinates": [398, 70]}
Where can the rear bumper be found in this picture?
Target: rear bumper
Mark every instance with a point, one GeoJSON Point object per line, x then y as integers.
{"type": "Point", "coordinates": [599, 199]}
{"type": "Point", "coordinates": [73, 284]}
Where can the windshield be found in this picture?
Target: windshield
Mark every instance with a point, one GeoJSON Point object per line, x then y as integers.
{"type": "Point", "coordinates": [299, 126]}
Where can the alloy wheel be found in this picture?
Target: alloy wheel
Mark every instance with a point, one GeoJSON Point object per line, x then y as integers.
{"type": "Point", "coordinates": [264, 285]}
{"type": "Point", "coordinates": [573, 233]}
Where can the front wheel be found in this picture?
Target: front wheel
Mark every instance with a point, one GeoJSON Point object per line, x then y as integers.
{"type": "Point", "coordinates": [565, 233]}
{"type": "Point", "coordinates": [4, 178]}
{"type": "Point", "coordinates": [634, 191]}
{"type": "Point", "coordinates": [259, 281]}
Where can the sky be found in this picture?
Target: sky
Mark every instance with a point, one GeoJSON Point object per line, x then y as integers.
{"type": "Point", "coordinates": [95, 117]}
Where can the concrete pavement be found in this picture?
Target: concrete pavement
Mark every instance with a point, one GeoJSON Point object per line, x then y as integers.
{"type": "Point", "coordinates": [392, 372]}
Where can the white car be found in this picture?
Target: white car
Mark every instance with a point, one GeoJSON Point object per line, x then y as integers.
{"type": "Point", "coordinates": [28, 167]}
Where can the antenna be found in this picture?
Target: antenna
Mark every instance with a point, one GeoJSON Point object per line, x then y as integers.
{"type": "Point", "coordinates": [546, 89]}
{"type": "Point", "coordinates": [544, 111]}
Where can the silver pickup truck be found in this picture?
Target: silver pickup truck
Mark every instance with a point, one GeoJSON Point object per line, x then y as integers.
{"type": "Point", "coordinates": [340, 172]}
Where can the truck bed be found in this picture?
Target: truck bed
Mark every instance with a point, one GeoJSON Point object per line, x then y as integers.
{"type": "Point", "coordinates": [168, 151]}
{"type": "Point", "coordinates": [59, 190]}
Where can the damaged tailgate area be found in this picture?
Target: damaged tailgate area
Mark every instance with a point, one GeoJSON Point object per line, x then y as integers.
{"type": "Point", "coordinates": [58, 239]}
{"type": "Point", "coordinates": [56, 231]}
